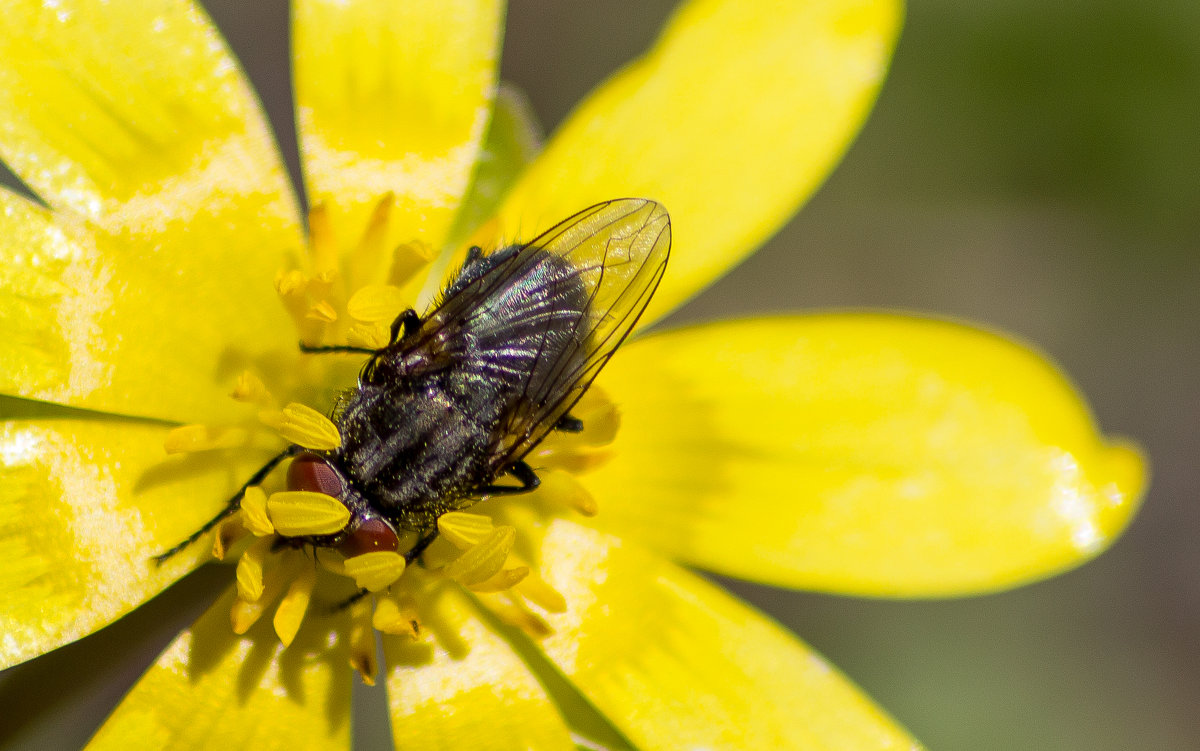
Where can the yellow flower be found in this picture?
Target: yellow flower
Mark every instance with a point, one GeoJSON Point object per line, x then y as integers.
{"type": "Point", "coordinates": [857, 453]}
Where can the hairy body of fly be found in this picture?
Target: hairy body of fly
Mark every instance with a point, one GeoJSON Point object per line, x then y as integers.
{"type": "Point", "coordinates": [420, 434]}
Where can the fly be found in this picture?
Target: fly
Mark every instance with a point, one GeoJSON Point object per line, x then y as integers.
{"type": "Point", "coordinates": [459, 397]}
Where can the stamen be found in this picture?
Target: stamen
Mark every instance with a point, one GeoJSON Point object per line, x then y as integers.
{"type": "Point", "coordinates": [366, 260]}
{"type": "Point", "coordinates": [464, 530]}
{"type": "Point", "coordinates": [302, 513]}
{"type": "Point", "coordinates": [251, 390]}
{"type": "Point", "coordinates": [245, 613]}
{"type": "Point", "coordinates": [292, 288]}
{"type": "Point", "coordinates": [502, 580]}
{"type": "Point", "coordinates": [189, 438]}
{"type": "Point", "coordinates": [564, 489]}
{"type": "Point", "coordinates": [250, 571]}
{"type": "Point", "coordinates": [375, 571]}
{"type": "Point", "coordinates": [304, 426]}
{"type": "Point", "coordinates": [392, 618]}
{"type": "Point", "coordinates": [322, 312]}
{"type": "Point", "coordinates": [408, 260]}
{"type": "Point", "coordinates": [322, 244]}
{"type": "Point", "coordinates": [514, 612]}
{"type": "Point", "coordinates": [229, 532]}
{"type": "Point", "coordinates": [290, 613]}
{"type": "Point", "coordinates": [368, 335]}
{"type": "Point", "coordinates": [376, 303]}
{"type": "Point", "coordinates": [535, 589]}
{"type": "Point", "coordinates": [483, 561]}
{"type": "Point", "coordinates": [254, 513]}
{"type": "Point", "coordinates": [580, 452]}
{"type": "Point", "coordinates": [362, 642]}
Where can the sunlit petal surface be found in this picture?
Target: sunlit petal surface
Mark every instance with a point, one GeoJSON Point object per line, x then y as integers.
{"type": "Point", "coordinates": [513, 140]}
{"type": "Point", "coordinates": [214, 689]}
{"type": "Point", "coordinates": [394, 97]}
{"type": "Point", "coordinates": [859, 453]}
{"type": "Point", "coordinates": [84, 503]}
{"type": "Point", "coordinates": [176, 209]}
{"type": "Point", "coordinates": [462, 686]}
{"type": "Point", "coordinates": [730, 121]}
{"type": "Point", "coordinates": [674, 662]}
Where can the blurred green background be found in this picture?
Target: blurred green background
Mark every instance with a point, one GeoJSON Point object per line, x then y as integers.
{"type": "Point", "coordinates": [1033, 166]}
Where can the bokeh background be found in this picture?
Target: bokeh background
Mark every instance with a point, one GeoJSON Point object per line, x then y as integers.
{"type": "Point", "coordinates": [1030, 165]}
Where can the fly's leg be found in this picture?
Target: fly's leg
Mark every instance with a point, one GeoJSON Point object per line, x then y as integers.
{"type": "Point", "coordinates": [351, 600]}
{"type": "Point", "coordinates": [409, 321]}
{"type": "Point", "coordinates": [524, 474]}
{"type": "Point", "coordinates": [232, 505]}
{"type": "Point", "coordinates": [312, 349]}
{"type": "Point", "coordinates": [422, 543]}
{"type": "Point", "coordinates": [413, 554]}
{"type": "Point", "coordinates": [568, 424]}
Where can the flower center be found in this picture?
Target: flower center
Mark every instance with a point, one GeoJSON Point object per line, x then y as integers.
{"type": "Point", "coordinates": [321, 528]}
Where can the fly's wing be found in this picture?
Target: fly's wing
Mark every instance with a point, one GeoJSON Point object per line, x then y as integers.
{"type": "Point", "coordinates": [618, 252]}
{"type": "Point", "coordinates": [545, 317]}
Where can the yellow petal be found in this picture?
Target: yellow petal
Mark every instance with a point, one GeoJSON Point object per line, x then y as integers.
{"type": "Point", "coordinates": [393, 97]}
{"type": "Point", "coordinates": [675, 662]}
{"type": "Point", "coordinates": [299, 513]}
{"type": "Point", "coordinates": [466, 687]}
{"type": "Point", "coordinates": [376, 570]}
{"type": "Point", "coordinates": [197, 437]}
{"type": "Point", "coordinates": [85, 503]}
{"type": "Point", "coordinates": [213, 689]}
{"type": "Point", "coordinates": [860, 453]}
{"type": "Point", "coordinates": [730, 121]}
{"type": "Point", "coordinates": [514, 137]}
{"type": "Point", "coordinates": [133, 116]}
{"type": "Point", "coordinates": [141, 308]}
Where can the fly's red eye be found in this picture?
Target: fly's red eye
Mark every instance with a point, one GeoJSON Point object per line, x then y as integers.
{"type": "Point", "coordinates": [313, 473]}
{"type": "Point", "coordinates": [372, 535]}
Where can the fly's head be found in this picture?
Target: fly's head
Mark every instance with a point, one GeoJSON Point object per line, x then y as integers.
{"type": "Point", "coordinates": [366, 532]}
